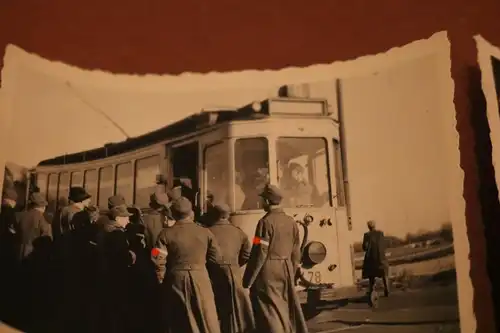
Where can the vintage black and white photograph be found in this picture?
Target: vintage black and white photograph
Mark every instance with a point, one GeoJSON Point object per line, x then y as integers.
{"type": "Point", "coordinates": [322, 199]}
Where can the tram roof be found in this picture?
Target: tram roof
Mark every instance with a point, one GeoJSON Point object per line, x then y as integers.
{"type": "Point", "coordinates": [198, 121]}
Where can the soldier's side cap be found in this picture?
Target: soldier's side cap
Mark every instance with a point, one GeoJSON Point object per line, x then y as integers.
{"type": "Point", "coordinates": [182, 206]}
{"type": "Point", "coordinates": [37, 199]}
{"type": "Point", "coordinates": [222, 208]}
{"type": "Point", "coordinates": [9, 193]}
{"type": "Point", "coordinates": [272, 193]}
{"type": "Point", "coordinates": [371, 224]}
{"type": "Point", "coordinates": [175, 193]}
{"type": "Point", "coordinates": [120, 211]}
{"type": "Point", "coordinates": [160, 198]}
{"type": "Point", "coordinates": [78, 194]}
{"type": "Point", "coordinates": [116, 200]}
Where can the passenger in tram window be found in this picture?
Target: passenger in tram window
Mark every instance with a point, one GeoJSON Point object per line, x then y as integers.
{"type": "Point", "coordinates": [234, 308]}
{"type": "Point", "coordinates": [298, 191]}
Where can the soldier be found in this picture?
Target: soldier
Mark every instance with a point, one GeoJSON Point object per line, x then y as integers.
{"type": "Point", "coordinates": [35, 237]}
{"type": "Point", "coordinates": [118, 259]}
{"type": "Point", "coordinates": [233, 304]}
{"type": "Point", "coordinates": [8, 253]}
{"type": "Point", "coordinates": [157, 219]}
{"type": "Point", "coordinates": [270, 271]}
{"type": "Point", "coordinates": [181, 254]}
{"type": "Point", "coordinates": [375, 263]}
{"type": "Point", "coordinates": [71, 246]}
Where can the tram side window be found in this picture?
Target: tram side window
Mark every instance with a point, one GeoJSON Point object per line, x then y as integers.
{"type": "Point", "coordinates": [105, 186]}
{"type": "Point", "coordinates": [76, 178]}
{"type": "Point", "coordinates": [251, 172]}
{"type": "Point", "coordinates": [216, 168]}
{"type": "Point", "coordinates": [303, 171]}
{"type": "Point", "coordinates": [52, 192]}
{"type": "Point", "coordinates": [125, 181]}
{"type": "Point", "coordinates": [63, 188]}
{"type": "Point", "coordinates": [90, 183]}
{"type": "Point", "coordinates": [41, 183]}
{"type": "Point", "coordinates": [146, 170]}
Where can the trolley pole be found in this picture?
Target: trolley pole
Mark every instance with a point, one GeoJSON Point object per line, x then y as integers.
{"type": "Point", "coordinates": [343, 151]}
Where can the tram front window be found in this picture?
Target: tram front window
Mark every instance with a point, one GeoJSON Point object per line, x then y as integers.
{"type": "Point", "coordinates": [302, 165]}
{"type": "Point", "coordinates": [251, 172]}
{"type": "Point", "coordinates": [216, 168]}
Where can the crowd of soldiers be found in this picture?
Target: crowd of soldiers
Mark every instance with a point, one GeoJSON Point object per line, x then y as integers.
{"type": "Point", "coordinates": [161, 272]}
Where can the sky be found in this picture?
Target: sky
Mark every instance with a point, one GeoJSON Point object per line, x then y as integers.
{"type": "Point", "coordinates": [392, 118]}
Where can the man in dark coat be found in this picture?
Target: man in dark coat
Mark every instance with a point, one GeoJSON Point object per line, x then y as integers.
{"type": "Point", "coordinates": [181, 254]}
{"type": "Point", "coordinates": [375, 263]}
{"type": "Point", "coordinates": [35, 236]}
{"type": "Point", "coordinates": [116, 275]}
{"type": "Point", "coordinates": [8, 254]}
{"type": "Point", "coordinates": [233, 303]}
{"type": "Point", "coordinates": [270, 271]}
{"type": "Point", "coordinates": [156, 220]}
{"type": "Point", "coordinates": [71, 247]}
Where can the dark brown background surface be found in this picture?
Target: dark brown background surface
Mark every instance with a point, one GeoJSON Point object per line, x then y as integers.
{"type": "Point", "coordinates": [157, 36]}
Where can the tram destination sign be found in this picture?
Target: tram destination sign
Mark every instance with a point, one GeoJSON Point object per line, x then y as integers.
{"type": "Point", "coordinates": [297, 107]}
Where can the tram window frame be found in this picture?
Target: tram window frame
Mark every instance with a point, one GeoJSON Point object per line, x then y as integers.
{"type": "Point", "coordinates": [310, 170]}
{"type": "Point", "coordinates": [102, 198]}
{"type": "Point", "coordinates": [145, 198]}
{"type": "Point", "coordinates": [339, 173]}
{"type": "Point", "coordinates": [128, 195]}
{"type": "Point", "coordinates": [237, 163]}
{"type": "Point", "coordinates": [44, 188]}
{"type": "Point", "coordinates": [228, 196]}
{"type": "Point", "coordinates": [63, 193]}
{"type": "Point", "coordinates": [52, 202]}
{"type": "Point", "coordinates": [94, 194]}
{"type": "Point", "coordinates": [72, 182]}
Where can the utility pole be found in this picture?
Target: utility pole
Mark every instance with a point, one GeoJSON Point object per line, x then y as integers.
{"type": "Point", "coordinates": [343, 152]}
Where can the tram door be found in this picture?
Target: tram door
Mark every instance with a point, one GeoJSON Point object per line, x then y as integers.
{"type": "Point", "coordinates": [184, 170]}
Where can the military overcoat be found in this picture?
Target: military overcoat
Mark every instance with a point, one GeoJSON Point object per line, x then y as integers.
{"type": "Point", "coordinates": [233, 302]}
{"type": "Point", "coordinates": [270, 272]}
{"type": "Point", "coordinates": [181, 254]}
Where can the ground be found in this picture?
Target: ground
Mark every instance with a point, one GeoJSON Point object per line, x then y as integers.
{"type": "Point", "coordinates": [426, 310]}
{"type": "Point", "coordinates": [423, 300]}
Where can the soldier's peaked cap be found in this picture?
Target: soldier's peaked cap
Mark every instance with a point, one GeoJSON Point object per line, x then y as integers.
{"type": "Point", "coordinates": [120, 211]}
{"type": "Point", "coordinates": [160, 198]}
{"type": "Point", "coordinates": [78, 194]}
{"type": "Point", "coordinates": [272, 193]}
{"type": "Point", "coordinates": [37, 199]}
{"type": "Point", "coordinates": [182, 206]}
{"type": "Point", "coordinates": [116, 200]}
{"type": "Point", "coordinates": [175, 193]}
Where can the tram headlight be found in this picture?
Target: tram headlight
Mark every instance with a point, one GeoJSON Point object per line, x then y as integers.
{"type": "Point", "coordinates": [314, 253]}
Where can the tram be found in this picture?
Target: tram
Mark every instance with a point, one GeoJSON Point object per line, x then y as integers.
{"type": "Point", "coordinates": [229, 155]}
